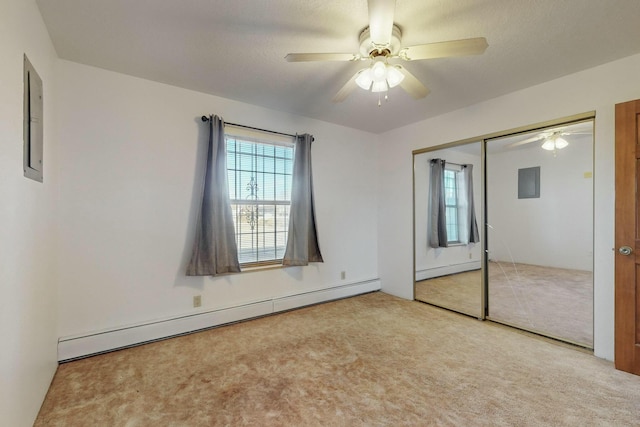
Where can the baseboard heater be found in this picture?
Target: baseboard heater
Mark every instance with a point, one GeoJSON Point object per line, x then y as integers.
{"type": "Point", "coordinates": [77, 347]}
{"type": "Point", "coordinates": [445, 270]}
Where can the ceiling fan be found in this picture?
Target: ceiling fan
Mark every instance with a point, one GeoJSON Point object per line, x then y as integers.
{"type": "Point", "coordinates": [379, 42]}
{"type": "Point", "coordinates": [553, 138]}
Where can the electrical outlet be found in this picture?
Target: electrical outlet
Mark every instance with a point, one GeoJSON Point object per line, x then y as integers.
{"type": "Point", "coordinates": [343, 275]}
{"type": "Point", "coordinates": [197, 301]}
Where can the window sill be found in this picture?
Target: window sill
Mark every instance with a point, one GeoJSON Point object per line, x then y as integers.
{"type": "Point", "coordinates": [453, 244]}
{"type": "Point", "coordinates": [255, 268]}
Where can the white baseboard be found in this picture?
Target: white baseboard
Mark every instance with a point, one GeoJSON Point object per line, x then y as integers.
{"type": "Point", "coordinates": [70, 348]}
{"type": "Point", "coordinates": [430, 273]}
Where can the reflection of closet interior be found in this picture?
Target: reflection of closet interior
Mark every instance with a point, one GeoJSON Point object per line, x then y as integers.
{"type": "Point", "coordinates": [532, 194]}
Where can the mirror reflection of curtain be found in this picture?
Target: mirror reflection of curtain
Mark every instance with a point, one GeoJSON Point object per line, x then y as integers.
{"type": "Point", "coordinates": [472, 228]}
{"type": "Point", "coordinates": [468, 231]}
{"type": "Point", "coordinates": [437, 217]}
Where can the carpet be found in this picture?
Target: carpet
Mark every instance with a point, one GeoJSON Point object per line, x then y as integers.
{"type": "Point", "coordinates": [371, 360]}
{"type": "Point", "coordinates": [553, 301]}
{"type": "Point", "coordinates": [461, 292]}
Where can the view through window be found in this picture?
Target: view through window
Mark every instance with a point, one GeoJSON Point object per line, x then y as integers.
{"type": "Point", "coordinates": [451, 205]}
{"type": "Point", "coordinates": [260, 178]}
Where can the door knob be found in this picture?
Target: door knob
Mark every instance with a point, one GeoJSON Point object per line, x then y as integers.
{"type": "Point", "coordinates": [625, 250]}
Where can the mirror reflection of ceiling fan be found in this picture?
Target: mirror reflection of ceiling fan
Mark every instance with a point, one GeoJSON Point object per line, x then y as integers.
{"type": "Point", "coordinates": [380, 42]}
{"type": "Point", "coordinates": [553, 139]}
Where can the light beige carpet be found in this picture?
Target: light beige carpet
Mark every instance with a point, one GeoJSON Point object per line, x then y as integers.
{"type": "Point", "coordinates": [553, 301]}
{"type": "Point", "coordinates": [371, 360]}
{"type": "Point", "coordinates": [460, 292]}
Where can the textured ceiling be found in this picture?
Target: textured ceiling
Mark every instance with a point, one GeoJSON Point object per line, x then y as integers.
{"type": "Point", "coordinates": [235, 49]}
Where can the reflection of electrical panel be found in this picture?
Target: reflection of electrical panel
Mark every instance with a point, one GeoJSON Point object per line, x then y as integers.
{"type": "Point", "coordinates": [32, 133]}
{"type": "Point", "coordinates": [529, 183]}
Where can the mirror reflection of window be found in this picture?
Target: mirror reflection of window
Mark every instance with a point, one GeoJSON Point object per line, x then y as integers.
{"type": "Point", "coordinates": [448, 260]}
{"type": "Point", "coordinates": [451, 204]}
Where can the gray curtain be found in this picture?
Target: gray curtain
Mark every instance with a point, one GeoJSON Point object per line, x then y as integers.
{"type": "Point", "coordinates": [437, 218]}
{"type": "Point", "coordinates": [214, 249]}
{"type": "Point", "coordinates": [474, 235]}
{"type": "Point", "coordinates": [302, 242]}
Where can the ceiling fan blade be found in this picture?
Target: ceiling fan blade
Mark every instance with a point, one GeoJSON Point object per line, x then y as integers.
{"type": "Point", "coordinates": [526, 141]}
{"type": "Point", "coordinates": [346, 90]}
{"type": "Point", "coordinates": [307, 57]}
{"type": "Point", "coordinates": [381, 14]}
{"type": "Point", "coordinates": [411, 85]}
{"type": "Point", "coordinates": [448, 49]}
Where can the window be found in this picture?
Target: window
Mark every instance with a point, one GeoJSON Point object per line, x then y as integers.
{"type": "Point", "coordinates": [259, 171]}
{"type": "Point", "coordinates": [452, 207]}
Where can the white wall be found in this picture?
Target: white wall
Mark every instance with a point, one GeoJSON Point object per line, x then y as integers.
{"type": "Point", "coordinates": [428, 258]}
{"type": "Point", "coordinates": [554, 230]}
{"type": "Point", "coordinates": [598, 89]}
{"type": "Point", "coordinates": [27, 224]}
{"type": "Point", "coordinates": [128, 204]}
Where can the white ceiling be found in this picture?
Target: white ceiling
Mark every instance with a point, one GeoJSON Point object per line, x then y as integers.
{"type": "Point", "coordinates": [236, 48]}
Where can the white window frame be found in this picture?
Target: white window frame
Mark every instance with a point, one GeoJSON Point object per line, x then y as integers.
{"type": "Point", "coordinates": [261, 224]}
{"type": "Point", "coordinates": [454, 226]}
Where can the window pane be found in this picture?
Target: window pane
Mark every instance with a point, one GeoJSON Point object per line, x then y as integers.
{"type": "Point", "coordinates": [268, 150]}
{"type": "Point", "coordinates": [451, 205]}
{"type": "Point", "coordinates": [452, 224]}
{"type": "Point", "coordinates": [244, 190]}
{"type": "Point", "coordinates": [243, 162]}
{"type": "Point", "coordinates": [260, 177]}
{"type": "Point", "coordinates": [231, 160]}
{"type": "Point", "coordinates": [282, 192]}
{"type": "Point", "coordinates": [245, 147]}
{"type": "Point", "coordinates": [269, 186]}
{"type": "Point", "coordinates": [288, 182]}
{"type": "Point", "coordinates": [256, 187]}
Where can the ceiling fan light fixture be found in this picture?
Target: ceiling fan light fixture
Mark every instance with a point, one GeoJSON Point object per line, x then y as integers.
{"type": "Point", "coordinates": [554, 142]}
{"type": "Point", "coordinates": [364, 79]}
{"type": "Point", "coordinates": [561, 143]}
{"type": "Point", "coordinates": [380, 77]}
{"type": "Point", "coordinates": [380, 86]}
{"type": "Point", "coordinates": [378, 71]}
{"type": "Point", "coordinates": [394, 76]}
{"type": "Point", "coordinates": [549, 145]}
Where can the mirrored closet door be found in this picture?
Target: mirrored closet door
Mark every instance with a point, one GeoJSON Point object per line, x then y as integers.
{"type": "Point", "coordinates": [447, 227]}
{"type": "Point", "coordinates": [539, 231]}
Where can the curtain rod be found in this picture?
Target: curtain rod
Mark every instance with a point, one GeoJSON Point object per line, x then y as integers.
{"type": "Point", "coordinates": [451, 163]}
{"type": "Point", "coordinates": [206, 119]}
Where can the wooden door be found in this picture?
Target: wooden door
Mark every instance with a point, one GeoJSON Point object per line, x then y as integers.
{"type": "Point", "coordinates": [627, 238]}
